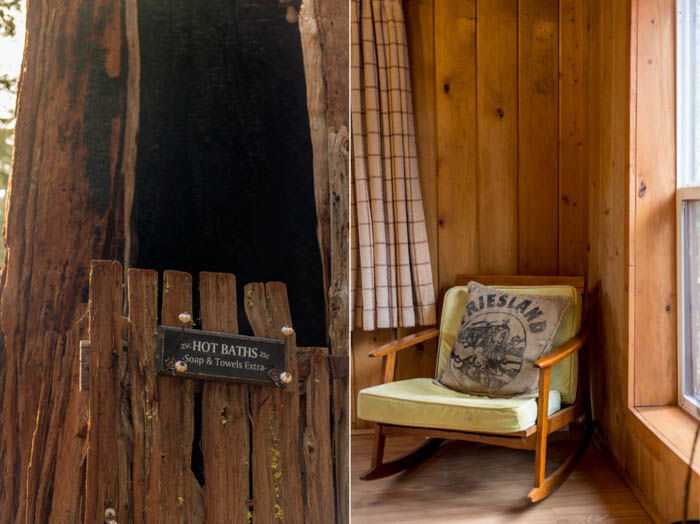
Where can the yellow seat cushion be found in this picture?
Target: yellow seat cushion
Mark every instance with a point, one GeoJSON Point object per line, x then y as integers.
{"type": "Point", "coordinates": [564, 376]}
{"type": "Point", "coordinates": [421, 402]}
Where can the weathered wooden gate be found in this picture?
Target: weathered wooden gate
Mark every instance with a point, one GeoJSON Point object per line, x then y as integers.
{"type": "Point", "coordinates": [266, 451]}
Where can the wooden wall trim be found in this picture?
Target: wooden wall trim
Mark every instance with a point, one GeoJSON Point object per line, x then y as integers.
{"type": "Point", "coordinates": [653, 210]}
{"type": "Point", "coordinates": [641, 497]}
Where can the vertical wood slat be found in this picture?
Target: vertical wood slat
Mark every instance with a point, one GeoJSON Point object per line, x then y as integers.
{"type": "Point", "coordinates": [497, 121]}
{"type": "Point", "coordinates": [69, 474]}
{"type": "Point", "coordinates": [574, 45]}
{"type": "Point", "coordinates": [49, 375]}
{"type": "Point", "coordinates": [338, 314]}
{"type": "Point", "coordinates": [538, 132]}
{"type": "Point", "coordinates": [105, 485]}
{"type": "Point", "coordinates": [181, 494]}
{"type": "Point", "coordinates": [421, 50]}
{"type": "Point", "coordinates": [455, 73]}
{"type": "Point", "coordinates": [317, 442]}
{"type": "Point", "coordinates": [147, 471]}
{"type": "Point", "coordinates": [225, 425]}
{"type": "Point", "coordinates": [655, 186]}
{"type": "Point", "coordinates": [420, 38]}
{"type": "Point", "coordinates": [275, 416]}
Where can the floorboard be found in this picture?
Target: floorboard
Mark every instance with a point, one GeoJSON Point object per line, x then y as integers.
{"type": "Point", "coordinates": [466, 482]}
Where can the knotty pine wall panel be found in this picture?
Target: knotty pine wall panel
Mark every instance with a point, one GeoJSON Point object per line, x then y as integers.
{"type": "Point", "coordinates": [500, 90]}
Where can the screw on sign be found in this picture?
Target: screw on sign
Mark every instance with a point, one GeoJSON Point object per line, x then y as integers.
{"type": "Point", "coordinates": [110, 516]}
{"type": "Point", "coordinates": [210, 355]}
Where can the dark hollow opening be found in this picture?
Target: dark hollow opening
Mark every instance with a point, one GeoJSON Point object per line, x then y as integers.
{"type": "Point", "coordinates": [224, 177]}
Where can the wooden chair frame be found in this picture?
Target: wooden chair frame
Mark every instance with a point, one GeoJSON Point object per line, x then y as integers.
{"type": "Point", "coordinates": [532, 438]}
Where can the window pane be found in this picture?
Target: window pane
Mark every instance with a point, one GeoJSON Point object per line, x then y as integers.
{"type": "Point", "coordinates": [691, 298]}
{"type": "Point", "coordinates": [692, 176]}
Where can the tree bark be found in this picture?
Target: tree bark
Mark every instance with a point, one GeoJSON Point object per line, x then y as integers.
{"type": "Point", "coordinates": [324, 33]}
{"type": "Point", "coordinates": [65, 208]}
{"type": "Point", "coordinates": [71, 196]}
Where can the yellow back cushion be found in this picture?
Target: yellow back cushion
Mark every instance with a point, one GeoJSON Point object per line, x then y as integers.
{"type": "Point", "coordinates": [564, 374]}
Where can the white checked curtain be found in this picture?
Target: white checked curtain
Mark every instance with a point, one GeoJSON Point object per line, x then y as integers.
{"type": "Point", "coordinates": [391, 281]}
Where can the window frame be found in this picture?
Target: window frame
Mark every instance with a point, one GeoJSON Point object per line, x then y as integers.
{"type": "Point", "coordinates": [683, 194]}
{"type": "Point", "coordinates": [688, 187]}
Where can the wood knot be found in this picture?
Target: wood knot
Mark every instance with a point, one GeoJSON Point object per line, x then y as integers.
{"type": "Point", "coordinates": [500, 112]}
{"type": "Point", "coordinates": [446, 88]}
{"type": "Point", "coordinates": [642, 189]}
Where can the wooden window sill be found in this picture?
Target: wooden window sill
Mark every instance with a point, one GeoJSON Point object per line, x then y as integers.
{"type": "Point", "coordinates": [669, 426]}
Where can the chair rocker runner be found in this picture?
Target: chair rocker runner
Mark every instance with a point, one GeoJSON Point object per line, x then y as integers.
{"type": "Point", "coordinates": [421, 407]}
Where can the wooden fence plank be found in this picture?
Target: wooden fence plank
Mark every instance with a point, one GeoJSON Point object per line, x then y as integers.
{"type": "Point", "coordinates": [181, 493]}
{"type": "Point", "coordinates": [106, 487]}
{"type": "Point", "coordinates": [69, 475]}
{"type": "Point", "coordinates": [538, 199]}
{"type": "Point", "coordinates": [317, 441]}
{"type": "Point", "coordinates": [275, 418]}
{"type": "Point", "coordinates": [225, 424]}
{"type": "Point", "coordinates": [146, 421]}
{"type": "Point", "coordinates": [338, 314]}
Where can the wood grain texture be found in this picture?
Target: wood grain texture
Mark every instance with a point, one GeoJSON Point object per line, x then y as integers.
{"type": "Point", "coordinates": [274, 415]}
{"type": "Point", "coordinates": [655, 188]}
{"type": "Point", "coordinates": [64, 209]}
{"type": "Point", "coordinates": [420, 31]}
{"type": "Point", "coordinates": [625, 116]}
{"type": "Point", "coordinates": [338, 313]}
{"type": "Point", "coordinates": [542, 433]}
{"type": "Point", "coordinates": [317, 105]}
{"type": "Point", "coordinates": [69, 473]}
{"type": "Point", "coordinates": [497, 121]}
{"type": "Point", "coordinates": [147, 469]}
{"type": "Point", "coordinates": [484, 53]}
{"type": "Point", "coordinates": [225, 424]}
{"type": "Point", "coordinates": [323, 27]}
{"type": "Point", "coordinates": [181, 494]}
{"type": "Point", "coordinates": [523, 280]}
{"type": "Point", "coordinates": [455, 104]}
{"type": "Point", "coordinates": [676, 426]}
{"type": "Point", "coordinates": [318, 462]}
{"type": "Point", "coordinates": [466, 479]}
{"type": "Point", "coordinates": [627, 54]}
{"type": "Point", "coordinates": [106, 482]}
{"type": "Point", "coordinates": [131, 125]}
{"type": "Point", "coordinates": [367, 371]}
{"type": "Point", "coordinates": [405, 342]}
{"type": "Point", "coordinates": [538, 132]}
{"type": "Point", "coordinates": [573, 135]}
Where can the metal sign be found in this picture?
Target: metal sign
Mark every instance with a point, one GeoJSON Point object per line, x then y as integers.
{"type": "Point", "coordinates": [211, 355]}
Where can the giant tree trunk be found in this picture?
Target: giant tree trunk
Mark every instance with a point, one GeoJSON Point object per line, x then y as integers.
{"type": "Point", "coordinates": [64, 209]}
{"type": "Point", "coordinates": [85, 90]}
{"type": "Point", "coordinates": [324, 34]}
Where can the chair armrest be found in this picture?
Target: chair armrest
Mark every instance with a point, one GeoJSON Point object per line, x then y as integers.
{"type": "Point", "coordinates": [559, 353]}
{"type": "Point", "coordinates": [405, 342]}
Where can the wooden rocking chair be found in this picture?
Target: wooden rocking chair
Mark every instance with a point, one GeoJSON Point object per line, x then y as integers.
{"type": "Point", "coordinates": [422, 408]}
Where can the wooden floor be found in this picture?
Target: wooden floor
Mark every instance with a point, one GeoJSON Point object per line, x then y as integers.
{"type": "Point", "coordinates": [466, 482]}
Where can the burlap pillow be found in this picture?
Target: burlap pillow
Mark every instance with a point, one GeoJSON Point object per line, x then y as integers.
{"type": "Point", "coordinates": [500, 337]}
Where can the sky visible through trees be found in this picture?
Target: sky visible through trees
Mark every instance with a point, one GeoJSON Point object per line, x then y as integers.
{"type": "Point", "coordinates": [11, 47]}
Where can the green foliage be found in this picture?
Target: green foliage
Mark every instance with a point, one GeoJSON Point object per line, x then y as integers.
{"type": "Point", "coordinates": [8, 9]}
{"type": "Point", "coordinates": [7, 134]}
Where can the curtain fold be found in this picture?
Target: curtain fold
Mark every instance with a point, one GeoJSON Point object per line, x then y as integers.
{"type": "Point", "coordinates": [391, 282]}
